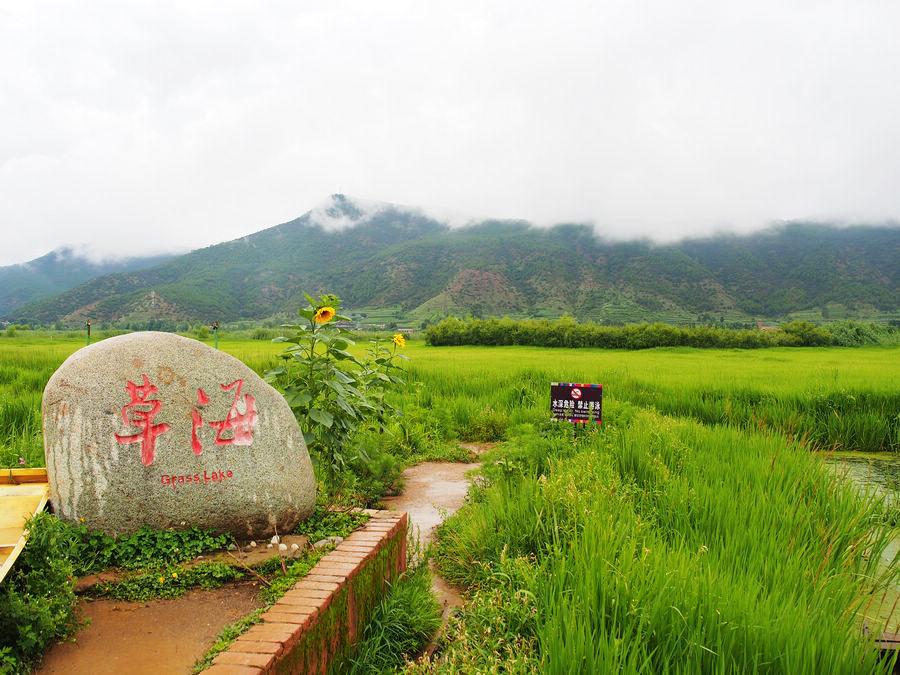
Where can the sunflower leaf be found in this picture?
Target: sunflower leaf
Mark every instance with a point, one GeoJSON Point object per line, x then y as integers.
{"type": "Point", "coordinates": [322, 417]}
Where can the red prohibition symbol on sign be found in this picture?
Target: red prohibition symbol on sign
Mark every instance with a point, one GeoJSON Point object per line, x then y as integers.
{"type": "Point", "coordinates": [576, 393]}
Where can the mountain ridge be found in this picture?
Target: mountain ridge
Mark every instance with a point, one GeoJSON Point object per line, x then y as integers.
{"type": "Point", "coordinates": [376, 254]}
{"type": "Point", "coordinates": [57, 271]}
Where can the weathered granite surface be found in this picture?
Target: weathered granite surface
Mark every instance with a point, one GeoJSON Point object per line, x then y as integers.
{"type": "Point", "coordinates": [156, 429]}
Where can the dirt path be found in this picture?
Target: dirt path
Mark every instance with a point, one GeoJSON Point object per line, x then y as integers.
{"type": "Point", "coordinates": [431, 492]}
{"type": "Point", "coordinates": [168, 636]}
{"type": "Point", "coordinates": [158, 636]}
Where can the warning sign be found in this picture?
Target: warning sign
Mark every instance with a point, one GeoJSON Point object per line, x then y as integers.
{"type": "Point", "coordinates": [576, 403]}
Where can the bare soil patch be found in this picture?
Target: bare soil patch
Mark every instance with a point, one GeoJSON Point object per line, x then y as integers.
{"type": "Point", "coordinates": [157, 636]}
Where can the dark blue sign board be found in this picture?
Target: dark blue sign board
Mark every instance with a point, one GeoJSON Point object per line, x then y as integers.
{"type": "Point", "coordinates": [576, 403]}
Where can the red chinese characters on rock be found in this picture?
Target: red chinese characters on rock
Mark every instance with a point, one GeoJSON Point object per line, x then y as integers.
{"type": "Point", "coordinates": [240, 424]}
{"type": "Point", "coordinates": [139, 412]}
{"type": "Point", "coordinates": [236, 429]}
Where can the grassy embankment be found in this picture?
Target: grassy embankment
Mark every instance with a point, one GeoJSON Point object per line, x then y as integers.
{"type": "Point", "coordinates": [699, 536]}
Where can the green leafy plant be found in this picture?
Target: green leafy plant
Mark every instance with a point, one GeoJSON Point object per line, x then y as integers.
{"type": "Point", "coordinates": [170, 582]}
{"type": "Point", "coordinates": [37, 600]}
{"type": "Point", "coordinates": [325, 522]}
{"type": "Point", "coordinates": [331, 391]}
{"type": "Point", "coordinates": [91, 550]}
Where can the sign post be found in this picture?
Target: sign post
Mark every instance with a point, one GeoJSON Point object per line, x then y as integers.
{"type": "Point", "coordinates": [576, 403]}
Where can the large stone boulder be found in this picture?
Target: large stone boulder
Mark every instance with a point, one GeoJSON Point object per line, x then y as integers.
{"type": "Point", "coordinates": [157, 429]}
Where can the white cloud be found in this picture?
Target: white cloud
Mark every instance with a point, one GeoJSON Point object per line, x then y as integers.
{"type": "Point", "coordinates": [339, 212]}
{"type": "Point", "coordinates": [142, 127]}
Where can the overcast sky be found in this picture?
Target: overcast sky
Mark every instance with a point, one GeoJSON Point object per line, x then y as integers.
{"type": "Point", "coordinates": [140, 127]}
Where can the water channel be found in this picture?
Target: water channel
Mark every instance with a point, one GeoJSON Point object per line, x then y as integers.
{"type": "Point", "coordinates": [875, 473]}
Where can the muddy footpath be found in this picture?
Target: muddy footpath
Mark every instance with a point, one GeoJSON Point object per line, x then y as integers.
{"type": "Point", "coordinates": [169, 636]}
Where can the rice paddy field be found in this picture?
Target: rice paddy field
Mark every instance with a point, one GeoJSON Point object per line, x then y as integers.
{"type": "Point", "coordinates": [709, 524]}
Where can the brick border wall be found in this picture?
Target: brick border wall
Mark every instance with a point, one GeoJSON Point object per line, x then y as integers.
{"type": "Point", "coordinates": [312, 628]}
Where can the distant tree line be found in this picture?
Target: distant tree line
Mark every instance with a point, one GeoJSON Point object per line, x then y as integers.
{"type": "Point", "coordinates": [566, 332]}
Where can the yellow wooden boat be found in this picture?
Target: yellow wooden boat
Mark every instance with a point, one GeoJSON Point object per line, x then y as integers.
{"type": "Point", "coordinates": [23, 493]}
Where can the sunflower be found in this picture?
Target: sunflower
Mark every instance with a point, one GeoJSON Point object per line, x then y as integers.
{"type": "Point", "coordinates": [399, 340]}
{"type": "Point", "coordinates": [324, 314]}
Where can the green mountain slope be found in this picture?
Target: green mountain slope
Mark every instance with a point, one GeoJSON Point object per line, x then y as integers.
{"type": "Point", "coordinates": [382, 255]}
{"type": "Point", "coordinates": [56, 272]}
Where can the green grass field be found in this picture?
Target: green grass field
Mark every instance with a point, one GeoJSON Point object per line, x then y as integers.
{"type": "Point", "coordinates": [694, 531]}
{"type": "Point", "coordinates": [830, 398]}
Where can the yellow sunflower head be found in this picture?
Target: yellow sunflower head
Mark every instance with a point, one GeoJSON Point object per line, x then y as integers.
{"type": "Point", "coordinates": [324, 314]}
{"type": "Point", "coordinates": [399, 340]}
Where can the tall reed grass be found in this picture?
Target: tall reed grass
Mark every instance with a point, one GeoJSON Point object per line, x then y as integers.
{"type": "Point", "coordinates": [666, 546]}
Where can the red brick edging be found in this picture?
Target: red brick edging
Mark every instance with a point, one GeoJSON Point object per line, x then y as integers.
{"type": "Point", "coordinates": [314, 625]}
